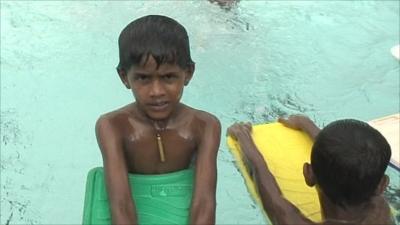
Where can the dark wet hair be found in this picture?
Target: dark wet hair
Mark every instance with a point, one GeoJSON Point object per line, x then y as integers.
{"type": "Point", "coordinates": [349, 159]}
{"type": "Point", "coordinates": [159, 36]}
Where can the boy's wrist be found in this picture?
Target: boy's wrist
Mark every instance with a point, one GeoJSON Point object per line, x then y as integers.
{"type": "Point", "coordinates": [310, 128]}
{"type": "Point", "coordinates": [258, 160]}
{"type": "Point", "coordinates": [305, 123]}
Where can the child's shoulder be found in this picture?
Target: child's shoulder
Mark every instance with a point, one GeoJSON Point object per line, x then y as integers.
{"type": "Point", "coordinates": [203, 120]}
{"type": "Point", "coordinates": [202, 115]}
{"type": "Point", "coordinates": [115, 119]}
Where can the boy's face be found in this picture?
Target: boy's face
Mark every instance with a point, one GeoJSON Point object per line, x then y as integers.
{"type": "Point", "coordinates": [157, 90]}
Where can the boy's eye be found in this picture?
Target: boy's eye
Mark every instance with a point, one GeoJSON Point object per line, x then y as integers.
{"type": "Point", "coordinates": [169, 76]}
{"type": "Point", "coordinates": [142, 77]}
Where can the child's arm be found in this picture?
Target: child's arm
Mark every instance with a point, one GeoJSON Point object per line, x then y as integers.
{"type": "Point", "coordinates": [122, 207]}
{"type": "Point", "coordinates": [203, 201]}
{"type": "Point", "coordinates": [279, 209]}
{"type": "Point", "coordinates": [303, 123]}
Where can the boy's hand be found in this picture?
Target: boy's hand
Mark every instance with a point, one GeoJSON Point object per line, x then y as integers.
{"type": "Point", "coordinates": [295, 121]}
{"type": "Point", "coordinates": [303, 123]}
{"type": "Point", "coordinates": [239, 130]}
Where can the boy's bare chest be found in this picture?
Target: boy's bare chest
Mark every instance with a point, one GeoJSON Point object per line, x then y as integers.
{"type": "Point", "coordinates": [143, 152]}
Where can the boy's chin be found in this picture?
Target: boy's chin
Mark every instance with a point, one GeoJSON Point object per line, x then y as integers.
{"type": "Point", "coordinates": [158, 115]}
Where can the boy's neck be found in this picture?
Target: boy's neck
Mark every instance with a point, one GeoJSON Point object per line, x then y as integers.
{"type": "Point", "coordinates": [350, 214]}
{"type": "Point", "coordinates": [159, 125]}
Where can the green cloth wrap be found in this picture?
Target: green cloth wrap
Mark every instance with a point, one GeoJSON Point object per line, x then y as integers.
{"type": "Point", "coordinates": [159, 199]}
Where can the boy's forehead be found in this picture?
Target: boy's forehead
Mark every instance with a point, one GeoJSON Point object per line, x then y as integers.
{"type": "Point", "coordinates": [150, 64]}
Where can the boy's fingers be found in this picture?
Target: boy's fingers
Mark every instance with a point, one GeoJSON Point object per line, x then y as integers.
{"type": "Point", "coordinates": [282, 120]}
{"type": "Point", "coordinates": [229, 130]}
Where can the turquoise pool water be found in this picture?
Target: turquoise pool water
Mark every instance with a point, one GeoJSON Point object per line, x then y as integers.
{"type": "Point", "coordinates": [327, 59]}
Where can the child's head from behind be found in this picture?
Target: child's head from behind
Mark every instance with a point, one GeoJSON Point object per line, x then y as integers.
{"type": "Point", "coordinates": [158, 36]}
{"type": "Point", "coordinates": [155, 64]}
{"type": "Point", "coordinates": [348, 160]}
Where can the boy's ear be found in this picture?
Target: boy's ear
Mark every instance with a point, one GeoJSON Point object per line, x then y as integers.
{"type": "Point", "coordinates": [123, 76]}
{"type": "Point", "coordinates": [308, 174]}
{"type": "Point", "coordinates": [382, 185]}
{"type": "Point", "coordinates": [189, 73]}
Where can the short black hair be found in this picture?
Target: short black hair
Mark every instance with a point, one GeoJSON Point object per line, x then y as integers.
{"type": "Point", "coordinates": [159, 36]}
{"type": "Point", "coordinates": [349, 159]}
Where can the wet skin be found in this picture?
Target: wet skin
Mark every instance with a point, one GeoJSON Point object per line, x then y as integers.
{"type": "Point", "coordinates": [127, 139]}
{"type": "Point", "coordinates": [280, 210]}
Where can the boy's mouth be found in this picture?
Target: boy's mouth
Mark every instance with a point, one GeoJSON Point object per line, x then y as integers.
{"type": "Point", "coordinates": [158, 106]}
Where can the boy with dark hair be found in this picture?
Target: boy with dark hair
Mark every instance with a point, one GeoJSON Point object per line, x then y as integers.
{"type": "Point", "coordinates": [157, 135]}
{"type": "Point", "coordinates": [348, 163]}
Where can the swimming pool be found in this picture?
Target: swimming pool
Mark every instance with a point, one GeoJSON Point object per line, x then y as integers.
{"type": "Point", "coordinates": [259, 60]}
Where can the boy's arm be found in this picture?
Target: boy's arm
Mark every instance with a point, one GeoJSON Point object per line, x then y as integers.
{"type": "Point", "coordinates": [122, 207]}
{"type": "Point", "coordinates": [279, 209]}
{"type": "Point", "coordinates": [203, 201]}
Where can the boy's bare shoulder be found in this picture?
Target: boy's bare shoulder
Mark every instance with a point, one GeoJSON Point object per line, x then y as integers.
{"type": "Point", "coordinates": [114, 120]}
{"type": "Point", "coordinates": [204, 117]}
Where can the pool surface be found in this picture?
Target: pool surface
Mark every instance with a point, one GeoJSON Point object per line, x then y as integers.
{"type": "Point", "coordinates": [257, 61]}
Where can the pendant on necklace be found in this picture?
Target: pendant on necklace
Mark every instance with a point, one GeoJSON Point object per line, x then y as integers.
{"type": "Point", "coordinates": [160, 148]}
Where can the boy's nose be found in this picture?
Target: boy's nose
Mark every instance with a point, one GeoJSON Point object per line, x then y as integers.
{"type": "Point", "coordinates": [157, 89]}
